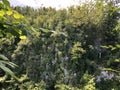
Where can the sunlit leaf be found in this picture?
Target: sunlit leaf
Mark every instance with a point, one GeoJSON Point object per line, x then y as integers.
{"type": "Point", "coordinates": [117, 60]}
{"type": "Point", "coordinates": [20, 32]}
{"type": "Point", "coordinates": [110, 69]}
{"type": "Point", "coordinates": [2, 13]}
{"type": "Point", "coordinates": [3, 62]}
{"type": "Point", "coordinates": [23, 37]}
{"type": "Point", "coordinates": [2, 79]}
{"type": "Point", "coordinates": [44, 30]}
{"type": "Point", "coordinates": [9, 12]}
{"type": "Point", "coordinates": [7, 70]}
{"type": "Point", "coordinates": [118, 45]}
{"type": "Point", "coordinates": [110, 46]}
{"type": "Point", "coordinates": [3, 57]}
{"type": "Point", "coordinates": [24, 77]}
{"type": "Point", "coordinates": [8, 63]}
{"type": "Point", "coordinates": [17, 16]}
{"type": "Point", "coordinates": [113, 48]}
{"type": "Point", "coordinates": [105, 47]}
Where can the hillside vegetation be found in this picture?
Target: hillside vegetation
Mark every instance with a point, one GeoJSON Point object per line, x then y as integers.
{"type": "Point", "coordinates": [68, 49]}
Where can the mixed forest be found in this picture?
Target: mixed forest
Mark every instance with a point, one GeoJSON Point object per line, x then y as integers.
{"type": "Point", "coordinates": [77, 48]}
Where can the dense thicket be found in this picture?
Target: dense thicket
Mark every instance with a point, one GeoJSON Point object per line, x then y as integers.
{"type": "Point", "coordinates": [68, 49]}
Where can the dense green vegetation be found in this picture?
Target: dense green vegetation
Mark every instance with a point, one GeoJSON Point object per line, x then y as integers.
{"type": "Point", "coordinates": [69, 49]}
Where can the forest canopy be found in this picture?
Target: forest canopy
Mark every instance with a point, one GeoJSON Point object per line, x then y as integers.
{"type": "Point", "coordinates": [68, 49]}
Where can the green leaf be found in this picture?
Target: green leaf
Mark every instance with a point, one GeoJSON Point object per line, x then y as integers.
{"type": "Point", "coordinates": [17, 16]}
{"type": "Point", "coordinates": [113, 48]}
{"type": "Point", "coordinates": [3, 57]}
{"type": "Point", "coordinates": [4, 61]}
{"type": "Point", "coordinates": [45, 30]}
{"type": "Point", "coordinates": [24, 77]}
{"type": "Point", "coordinates": [2, 13]}
{"type": "Point", "coordinates": [8, 63]}
{"type": "Point", "coordinates": [118, 45]}
{"type": "Point", "coordinates": [1, 5]}
{"type": "Point", "coordinates": [105, 47]}
{"type": "Point", "coordinates": [6, 2]}
{"type": "Point", "coordinates": [1, 35]}
{"type": "Point", "coordinates": [110, 69]}
{"type": "Point", "coordinates": [7, 70]}
{"type": "Point", "coordinates": [23, 37]}
{"type": "Point", "coordinates": [2, 79]}
{"type": "Point", "coordinates": [10, 12]}
{"type": "Point", "coordinates": [117, 60]}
